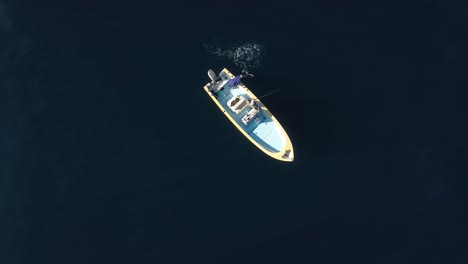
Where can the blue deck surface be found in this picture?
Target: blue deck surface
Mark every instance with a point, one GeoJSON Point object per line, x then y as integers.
{"type": "Point", "coordinates": [262, 129]}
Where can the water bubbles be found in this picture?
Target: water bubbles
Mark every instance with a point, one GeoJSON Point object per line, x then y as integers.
{"type": "Point", "coordinates": [248, 56]}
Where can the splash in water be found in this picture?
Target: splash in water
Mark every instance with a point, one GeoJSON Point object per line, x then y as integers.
{"type": "Point", "coordinates": [248, 56]}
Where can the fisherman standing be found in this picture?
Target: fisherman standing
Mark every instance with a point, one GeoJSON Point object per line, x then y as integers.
{"type": "Point", "coordinates": [253, 103]}
{"type": "Point", "coordinates": [236, 80]}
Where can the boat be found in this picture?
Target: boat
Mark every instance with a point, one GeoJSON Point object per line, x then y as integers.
{"type": "Point", "coordinates": [249, 115]}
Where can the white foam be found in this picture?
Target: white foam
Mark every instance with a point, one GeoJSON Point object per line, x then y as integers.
{"type": "Point", "coordinates": [248, 56]}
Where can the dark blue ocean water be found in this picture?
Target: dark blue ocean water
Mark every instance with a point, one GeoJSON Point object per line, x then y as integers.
{"type": "Point", "coordinates": [111, 152]}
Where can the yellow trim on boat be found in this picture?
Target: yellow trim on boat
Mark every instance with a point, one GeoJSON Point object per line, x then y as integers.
{"type": "Point", "coordinates": [286, 154]}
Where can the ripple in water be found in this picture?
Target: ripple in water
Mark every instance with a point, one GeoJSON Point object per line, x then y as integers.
{"type": "Point", "coordinates": [248, 56]}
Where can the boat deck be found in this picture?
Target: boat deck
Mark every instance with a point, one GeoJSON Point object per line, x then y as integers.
{"type": "Point", "coordinates": [262, 129]}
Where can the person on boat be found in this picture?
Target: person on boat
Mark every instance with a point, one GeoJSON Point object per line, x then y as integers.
{"type": "Point", "coordinates": [236, 80]}
{"type": "Point", "coordinates": [254, 104]}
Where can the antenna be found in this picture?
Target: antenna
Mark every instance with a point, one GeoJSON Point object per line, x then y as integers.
{"type": "Point", "coordinates": [268, 94]}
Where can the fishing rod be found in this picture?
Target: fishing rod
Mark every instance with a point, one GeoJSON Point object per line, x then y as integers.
{"type": "Point", "coordinates": [268, 94]}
